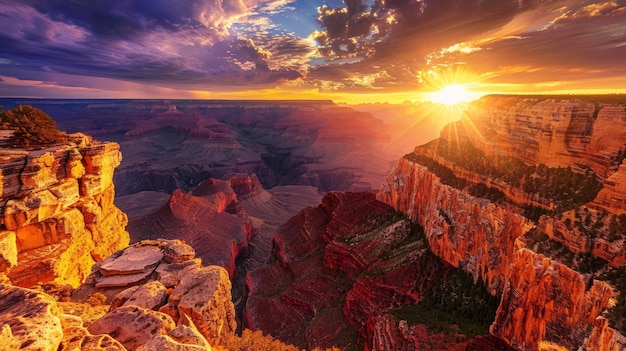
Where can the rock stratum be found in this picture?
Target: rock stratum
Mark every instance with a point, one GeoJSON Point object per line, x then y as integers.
{"type": "Point", "coordinates": [525, 194]}
{"type": "Point", "coordinates": [209, 218]}
{"type": "Point", "coordinates": [58, 216]}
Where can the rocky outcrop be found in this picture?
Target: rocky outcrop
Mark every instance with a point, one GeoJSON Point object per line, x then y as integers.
{"type": "Point", "coordinates": [209, 218]}
{"type": "Point", "coordinates": [165, 278]}
{"type": "Point", "coordinates": [58, 216]}
{"type": "Point", "coordinates": [133, 326]}
{"type": "Point", "coordinates": [387, 333]}
{"type": "Point", "coordinates": [555, 133]}
{"type": "Point", "coordinates": [468, 232]}
{"type": "Point", "coordinates": [571, 133]}
{"type": "Point", "coordinates": [546, 301]}
{"type": "Point", "coordinates": [179, 305]}
{"type": "Point", "coordinates": [41, 330]}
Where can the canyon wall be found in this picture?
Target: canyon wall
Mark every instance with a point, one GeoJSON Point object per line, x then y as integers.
{"type": "Point", "coordinates": [57, 212]}
{"type": "Point", "coordinates": [349, 273]}
{"type": "Point", "coordinates": [549, 297]}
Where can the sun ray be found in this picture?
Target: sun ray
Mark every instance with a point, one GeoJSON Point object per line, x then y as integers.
{"type": "Point", "coordinates": [452, 95]}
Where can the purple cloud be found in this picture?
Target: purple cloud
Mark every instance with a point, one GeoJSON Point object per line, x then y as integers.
{"type": "Point", "coordinates": [373, 45]}
{"type": "Point", "coordinates": [155, 42]}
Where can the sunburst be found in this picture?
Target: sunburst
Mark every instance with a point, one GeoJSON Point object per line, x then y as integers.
{"type": "Point", "coordinates": [451, 95]}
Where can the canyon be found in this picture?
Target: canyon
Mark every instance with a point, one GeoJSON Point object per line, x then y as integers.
{"type": "Point", "coordinates": [546, 272]}
{"type": "Point", "coordinates": [505, 233]}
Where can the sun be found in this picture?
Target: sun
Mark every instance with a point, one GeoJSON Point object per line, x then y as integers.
{"type": "Point", "coordinates": [452, 95]}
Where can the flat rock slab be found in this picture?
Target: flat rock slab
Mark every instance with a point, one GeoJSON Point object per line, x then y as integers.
{"type": "Point", "coordinates": [121, 280]}
{"type": "Point", "coordinates": [133, 260]}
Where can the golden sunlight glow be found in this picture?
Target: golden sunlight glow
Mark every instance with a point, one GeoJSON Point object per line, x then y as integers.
{"type": "Point", "coordinates": [452, 95]}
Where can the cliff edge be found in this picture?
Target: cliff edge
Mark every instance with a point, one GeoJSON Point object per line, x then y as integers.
{"type": "Point", "coordinates": [525, 195]}
{"type": "Point", "coordinates": [57, 216]}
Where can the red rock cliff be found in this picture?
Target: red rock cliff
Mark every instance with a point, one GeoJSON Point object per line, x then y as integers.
{"type": "Point", "coordinates": [545, 303]}
{"type": "Point", "coordinates": [58, 216]}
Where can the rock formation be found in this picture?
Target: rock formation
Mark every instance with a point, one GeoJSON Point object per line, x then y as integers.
{"type": "Point", "coordinates": [179, 304]}
{"type": "Point", "coordinates": [42, 329]}
{"type": "Point", "coordinates": [476, 189]}
{"type": "Point", "coordinates": [342, 270]}
{"type": "Point", "coordinates": [209, 218]}
{"type": "Point", "coordinates": [58, 216]}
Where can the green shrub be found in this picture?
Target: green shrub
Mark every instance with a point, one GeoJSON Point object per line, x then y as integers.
{"type": "Point", "coordinates": [456, 300]}
{"type": "Point", "coordinates": [32, 127]}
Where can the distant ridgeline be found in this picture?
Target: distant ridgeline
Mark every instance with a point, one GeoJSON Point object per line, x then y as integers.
{"type": "Point", "coordinates": [25, 126]}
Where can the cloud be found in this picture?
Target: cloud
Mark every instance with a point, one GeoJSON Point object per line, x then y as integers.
{"type": "Point", "coordinates": [584, 43]}
{"type": "Point", "coordinates": [400, 41]}
{"type": "Point", "coordinates": [398, 36]}
{"type": "Point", "coordinates": [360, 46]}
{"type": "Point", "coordinates": [150, 41]}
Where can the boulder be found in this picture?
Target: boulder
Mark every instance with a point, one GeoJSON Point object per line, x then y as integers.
{"type": "Point", "coordinates": [30, 319]}
{"type": "Point", "coordinates": [150, 296]}
{"type": "Point", "coordinates": [133, 326]}
{"type": "Point", "coordinates": [77, 337]}
{"type": "Point", "coordinates": [8, 250]}
{"type": "Point", "coordinates": [203, 294]}
{"type": "Point", "coordinates": [134, 260]}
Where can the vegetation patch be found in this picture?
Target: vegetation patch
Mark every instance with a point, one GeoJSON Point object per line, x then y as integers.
{"type": "Point", "coordinates": [566, 188]}
{"type": "Point", "coordinates": [455, 301]}
{"type": "Point", "coordinates": [617, 314]}
{"type": "Point", "coordinates": [445, 174]}
{"type": "Point", "coordinates": [32, 127]}
{"type": "Point", "coordinates": [583, 262]}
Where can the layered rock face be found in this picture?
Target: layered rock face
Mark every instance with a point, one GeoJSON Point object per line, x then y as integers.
{"type": "Point", "coordinates": [58, 215]}
{"type": "Point", "coordinates": [209, 218]}
{"type": "Point", "coordinates": [342, 270]}
{"type": "Point", "coordinates": [577, 134]}
{"type": "Point", "coordinates": [508, 159]}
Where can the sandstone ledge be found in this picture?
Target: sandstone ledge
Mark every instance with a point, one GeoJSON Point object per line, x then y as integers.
{"type": "Point", "coordinates": [59, 203]}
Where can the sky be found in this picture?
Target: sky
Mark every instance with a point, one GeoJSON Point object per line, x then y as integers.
{"type": "Point", "coordinates": [345, 50]}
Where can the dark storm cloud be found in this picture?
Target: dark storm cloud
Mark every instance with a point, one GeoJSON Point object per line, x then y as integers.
{"type": "Point", "coordinates": [150, 41]}
{"type": "Point", "coordinates": [127, 19]}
